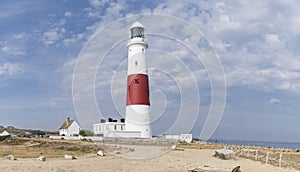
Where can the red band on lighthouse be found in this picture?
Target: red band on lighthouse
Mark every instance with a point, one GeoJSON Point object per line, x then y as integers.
{"type": "Point", "coordinates": [137, 90]}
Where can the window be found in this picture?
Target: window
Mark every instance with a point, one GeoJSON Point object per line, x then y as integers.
{"type": "Point", "coordinates": [136, 63]}
{"type": "Point", "coordinates": [143, 50]}
{"type": "Point", "coordinates": [115, 127]}
{"type": "Point", "coordinates": [136, 81]}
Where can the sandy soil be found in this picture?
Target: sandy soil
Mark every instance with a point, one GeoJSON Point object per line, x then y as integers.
{"type": "Point", "coordinates": [169, 161]}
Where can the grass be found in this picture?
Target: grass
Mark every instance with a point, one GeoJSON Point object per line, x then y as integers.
{"type": "Point", "coordinates": [34, 147]}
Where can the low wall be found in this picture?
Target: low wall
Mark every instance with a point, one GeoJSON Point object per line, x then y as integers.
{"type": "Point", "coordinates": [94, 138]}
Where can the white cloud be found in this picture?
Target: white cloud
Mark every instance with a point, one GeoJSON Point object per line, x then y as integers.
{"type": "Point", "coordinates": [74, 38]}
{"type": "Point", "coordinates": [53, 35]}
{"type": "Point", "coordinates": [272, 38]}
{"type": "Point", "coordinates": [98, 3]}
{"type": "Point", "coordinates": [50, 37]}
{"type": "Point", "coordinates": [274, 100]}
{"type": "Point", "coordinates": [21, 36]}
{"type": "Point", "coordinates": [8, 68]}
{"type": "Point", "coordinates": [68, 14]}
{"type": "Point", "coordinates": [219, 7]}
{"type": "Point", "coordinates": [12, 50]}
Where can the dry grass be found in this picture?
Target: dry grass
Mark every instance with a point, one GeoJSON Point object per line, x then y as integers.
{"type": "Point", "coordinates": [34, 147]}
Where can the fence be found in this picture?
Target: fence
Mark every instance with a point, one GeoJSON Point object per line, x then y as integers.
{"type": "Point", "coordinates": [277, 157]}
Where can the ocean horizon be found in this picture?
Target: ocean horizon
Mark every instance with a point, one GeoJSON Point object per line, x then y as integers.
{"type": "Point", "coordinates": [284, 145]}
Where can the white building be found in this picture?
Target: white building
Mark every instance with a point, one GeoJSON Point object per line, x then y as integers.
{"type": "Point", "coordinates": [69, 128]}
{"type": "Point", "coordinates": [114, 128]}
{"type": "Point", "coordinates": [4, 133]}
{"type": "Point", "coordinates": [180, 137]}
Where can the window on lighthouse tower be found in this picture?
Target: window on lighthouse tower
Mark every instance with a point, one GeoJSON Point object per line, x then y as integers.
{"type": "Point", "coordinates": [136, 63]}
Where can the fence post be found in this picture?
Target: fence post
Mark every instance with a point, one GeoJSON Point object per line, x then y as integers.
{"type": "Point", "coordinates": [247, 152]}
{"type": "Point", "coordinates": [256, 155]}
{"type": "Point", "coordinates": [280, 160]}
{"type": "Point", "coordinates": [242, 153]}
{"type": "Point", "coordinates": [267, 158]}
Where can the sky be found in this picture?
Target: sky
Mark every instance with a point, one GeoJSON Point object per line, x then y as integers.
{"type": "Point", "coordinates": [231, 66]}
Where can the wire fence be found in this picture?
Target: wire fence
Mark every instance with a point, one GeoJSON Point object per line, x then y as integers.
{"type": "Point", "coordinates": [286, 158]}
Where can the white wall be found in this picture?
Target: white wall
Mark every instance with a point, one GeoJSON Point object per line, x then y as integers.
{"type": "Point", "coordinates": [108, 127]}
{"type": "Point", "coordinates": [63, 132]}
{"type": "Point", "coordinates": [74, 129]}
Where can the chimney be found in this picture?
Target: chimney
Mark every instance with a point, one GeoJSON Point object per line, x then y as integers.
{"type": "Point", "coordinates": [68, 120]}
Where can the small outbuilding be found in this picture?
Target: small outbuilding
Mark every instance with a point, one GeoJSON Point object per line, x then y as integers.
{"type": "Point", "coordinates": [180, 137]}
{"type": "Point", "coordinates": [69, 128]}
{"type": "Point", "coordinates": [4, 133]}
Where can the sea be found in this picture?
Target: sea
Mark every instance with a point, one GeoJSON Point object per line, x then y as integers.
{"type": "Point", "coordinates": [285, 145]}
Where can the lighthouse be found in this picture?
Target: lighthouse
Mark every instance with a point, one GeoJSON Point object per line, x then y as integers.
{"type": "Point", "coordinates": [137, 101]}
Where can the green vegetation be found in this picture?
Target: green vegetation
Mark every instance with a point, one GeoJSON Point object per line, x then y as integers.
{"type": "Point", "coordinates": [74, 148]}
{"type": "Point", "coordinates": [86, 133]}
{"type": "Point", "coordinates": [3, 138]}
{"type": "Point", "coordinates": [5, 154]}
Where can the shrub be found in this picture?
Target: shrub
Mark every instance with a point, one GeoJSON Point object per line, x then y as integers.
{"type": "Point", "coordinates": [3, 138]}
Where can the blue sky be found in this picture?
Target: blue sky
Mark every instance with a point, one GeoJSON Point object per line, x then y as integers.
{"type": "Point", "coordinates": [257, 43]}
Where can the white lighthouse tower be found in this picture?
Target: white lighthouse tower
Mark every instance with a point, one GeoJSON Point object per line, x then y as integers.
{"type": "Point", "coordinates": [137, 102]}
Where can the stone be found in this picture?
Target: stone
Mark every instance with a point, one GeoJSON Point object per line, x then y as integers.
{"type": "Point", "coordinates": [100, 153]}
{"type": "Point", "coordinates": [225, 154]}
{"type": "Point", "coordinates": [173, 147]}
{"type": "Point", "coordinates": [56, 169]}
{"type": "Point", "coordinates": [117, 152]}
{"type": "Point", "coordinates": [41, 158]}
{"type": "Point", "coordinates": [9, 157]}
{"type": "Point", "coordinates": [237, 169]}
{"type": "Point", "coordinates": [69, 156]}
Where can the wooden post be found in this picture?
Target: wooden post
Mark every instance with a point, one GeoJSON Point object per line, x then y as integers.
{"type": "Point", "coordinates": [248, 153]}
{"type": "Point", "coordinates": [280, 160]}
{"type": "Point", "coordinates": [267, 158]}
{"type": "Point", "coordinates": [256, 155]}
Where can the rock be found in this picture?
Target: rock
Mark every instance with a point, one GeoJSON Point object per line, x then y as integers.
{"type": "Point", "coordinates": [133, 163]}
{"type": "Point", "coordinates": [9, 157]}
{"type": "Point", "coordinates": [69, 156]}
{"type": "Point", "coordinates": [225, 154]}
{"type": "Point", "coordinates": [41, 158]}
{"type": "Point", "coordinates": [56, 169]}
{"type": "Point", "coordinates": [100, 153]}
{"type": "Point", "coordinates": [206, 165]}
{"type": "Point", "coordinates": [237, 169]}
{"type": "Point", "coordinates": [173, 147]}
{"type": "Point", "coordinates": [117, 152]}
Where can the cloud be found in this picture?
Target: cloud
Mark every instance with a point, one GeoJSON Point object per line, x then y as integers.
{"type": "Point", "coordinates": [21, 36]}
{"type": "Point", "coordinates": [271, 38]}
{"type": "Point", "coordinates": [12, 50]}
{"type": "Point", "coordinates": [68, 14]}
{"type": "Point", "coordinates": [52, 36]}
{"type": "Point", "coordinates": [74, 38]}
{"type": "Point", "coordinates": [10, 69]}
{"type": "Point", "coordinates": [98, 3]}
{"type": "Point", "coordinates": [274, 100]}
